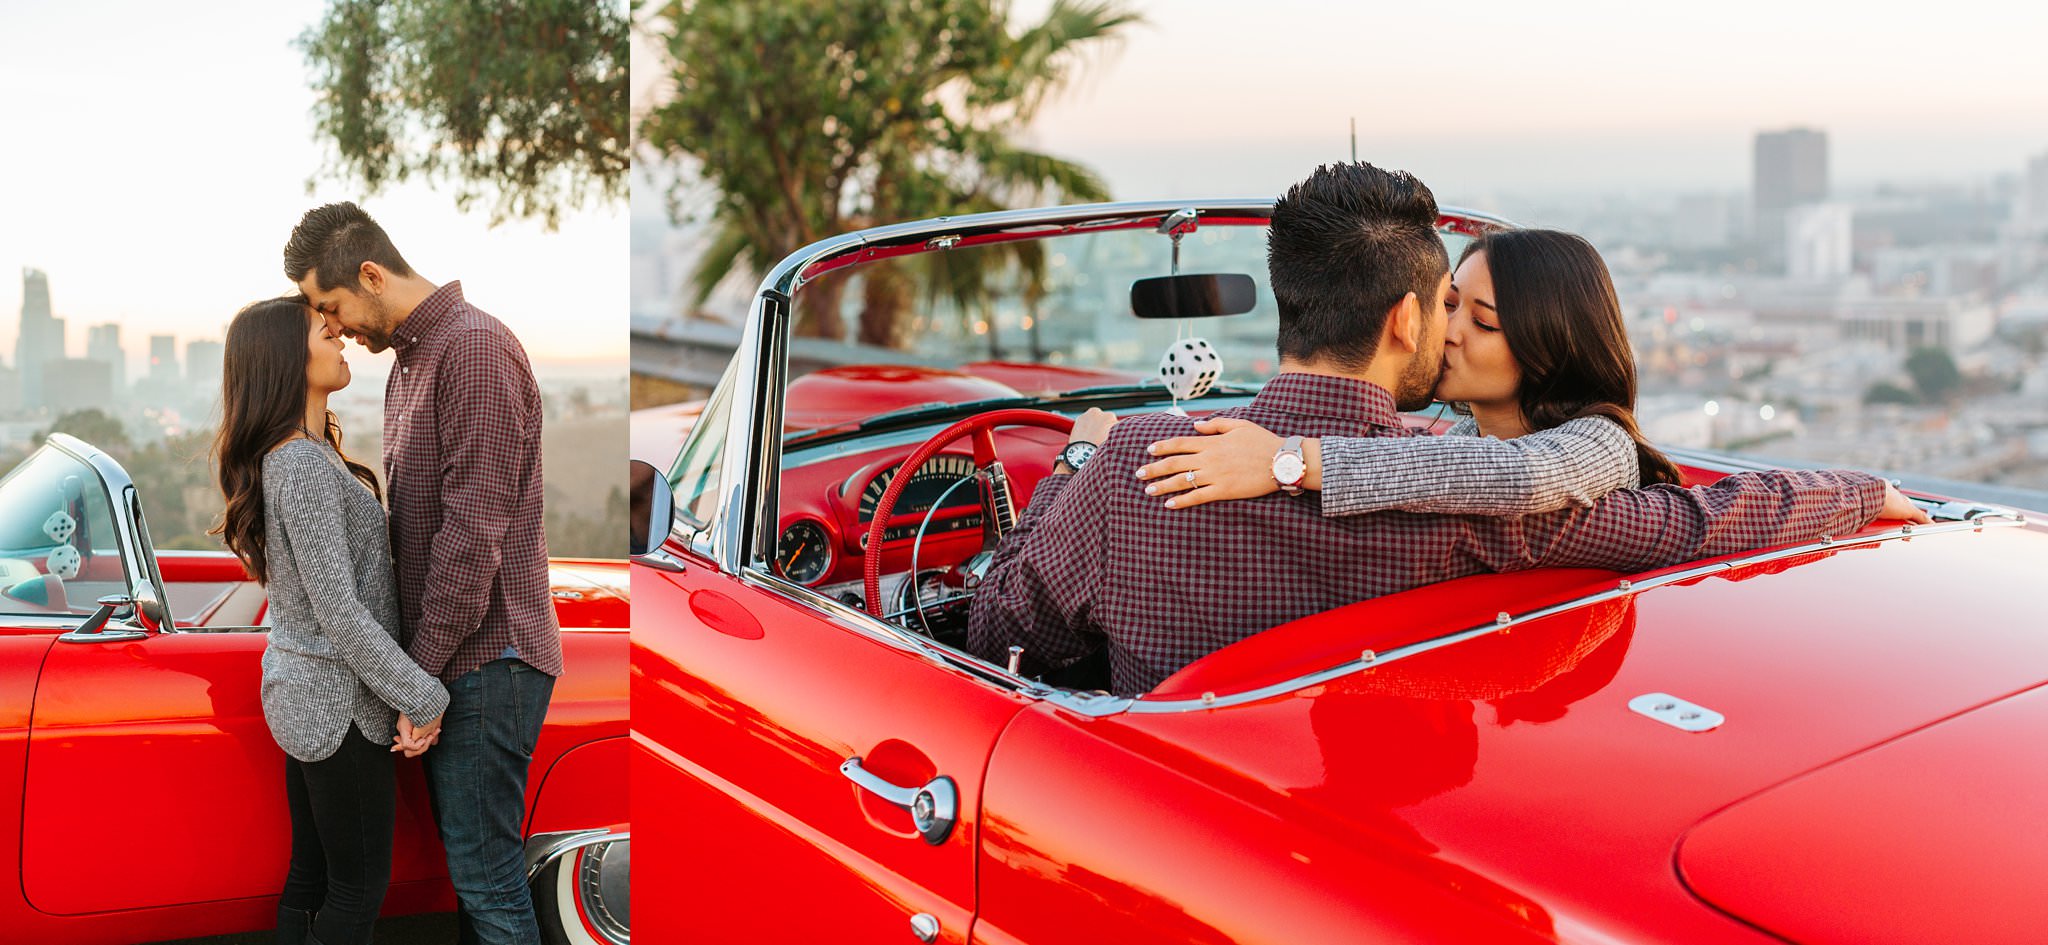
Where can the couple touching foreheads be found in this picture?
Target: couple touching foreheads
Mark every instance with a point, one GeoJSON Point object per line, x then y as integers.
{"type": "Point", "coordinates": [424, 628]}
{"type": "Point", "coordinates": [1169, 544]}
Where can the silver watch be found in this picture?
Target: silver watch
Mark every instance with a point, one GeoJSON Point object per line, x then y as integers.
{"type": "Point", "coordinates": [1289, 466]}
{"type": "Point", "coordinates": [1078, 453]}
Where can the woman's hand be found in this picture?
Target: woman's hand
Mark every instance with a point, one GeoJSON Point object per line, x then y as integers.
{"type": "Point", "coordinates": [1234, 461]}
{"type": "Point", "coordinates": [414, 740]}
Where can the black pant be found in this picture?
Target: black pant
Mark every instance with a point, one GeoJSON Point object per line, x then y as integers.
{"type": "Point", "coordinates": [343, 809]}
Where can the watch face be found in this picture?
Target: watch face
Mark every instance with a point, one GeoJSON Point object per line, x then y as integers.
{"type": "Point", "coordinates": [1077, 454]}
{"type": "Point", "coordinates": [1288, 468]}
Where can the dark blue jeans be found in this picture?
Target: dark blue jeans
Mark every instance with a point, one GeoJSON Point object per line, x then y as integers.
{"type": "Point", "coordinates": [476, 775]}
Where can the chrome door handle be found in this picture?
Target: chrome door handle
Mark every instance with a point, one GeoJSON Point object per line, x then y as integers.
{"type": "Point", "coordinates": [933, 808]}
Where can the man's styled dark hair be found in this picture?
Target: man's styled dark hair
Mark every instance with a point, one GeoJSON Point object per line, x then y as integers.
{"type": "Point", "coordinates": [335, 241]}
{"type": "Point", "coordinates": [1344, 246]}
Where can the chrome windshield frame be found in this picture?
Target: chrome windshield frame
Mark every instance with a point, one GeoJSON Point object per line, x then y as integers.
{"type": "Point", "coordinates": [742, 530]}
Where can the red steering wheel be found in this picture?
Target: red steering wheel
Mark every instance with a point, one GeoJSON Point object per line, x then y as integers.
{"type": "Point", "coordinates": [980, 427]}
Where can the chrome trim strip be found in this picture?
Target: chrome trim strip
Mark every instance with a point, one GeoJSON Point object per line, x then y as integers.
{"type": "Point", "coordinates": [861, 622]}
{"type": "Point", "coordinates": [545, 848]}
{"type": "Point", "coordinates": [752, 431]}
{"type": "Point", "coordinates": [1622, 588]}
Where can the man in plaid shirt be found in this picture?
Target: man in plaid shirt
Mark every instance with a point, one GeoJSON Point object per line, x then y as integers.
{"type": "Point", "coordinates": [462, 467]}
{"type": "Point", "coordinates": [1360, 277]}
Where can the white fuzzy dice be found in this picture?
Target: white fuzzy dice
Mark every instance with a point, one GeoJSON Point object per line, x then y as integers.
{"type": "Point", "coordinates": [60, 526]}
{"type": "Point", "coordinates": [1190, 368]}
{"type": "Point", "coordinates": [64, 562]}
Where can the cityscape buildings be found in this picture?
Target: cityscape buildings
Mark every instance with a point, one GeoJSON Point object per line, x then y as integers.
{"type": "Point", "coordinates": [1790, 169]}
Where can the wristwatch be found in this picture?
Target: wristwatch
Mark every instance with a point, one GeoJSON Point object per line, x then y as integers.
{"type": "Point", "coordinates": [1289, 467]}
{"type": "Point", "coordinates": [1077, 454]}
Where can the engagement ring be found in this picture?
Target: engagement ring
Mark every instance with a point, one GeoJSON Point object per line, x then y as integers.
{"type": "Point", "coordinates": [1189, 475]}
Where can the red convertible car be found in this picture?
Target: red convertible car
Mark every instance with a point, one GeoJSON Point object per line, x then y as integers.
{"type": "Point", "coordinates": [150, 794]}
{"type": "Point", "coordinates": [1827, 743]}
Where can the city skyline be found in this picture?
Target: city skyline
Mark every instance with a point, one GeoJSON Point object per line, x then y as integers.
{"type": "Point", "coordinates": [1500, 97]}
{"type": "Point", "coordinates": [156, 184]}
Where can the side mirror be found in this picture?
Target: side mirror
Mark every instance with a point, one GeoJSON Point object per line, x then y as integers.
{"type": "Point", "coordinates": [93, 630]}
{"type": "Point", "coordinates": [1199, 295]}
{"type": "Point", "coordinates": [651, 512]}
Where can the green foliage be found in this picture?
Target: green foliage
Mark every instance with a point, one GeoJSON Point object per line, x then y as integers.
{"type": "Point", "coordinates": [518, 102]}
{"type": "Point", "coordinates": [92, 425]}
{"type": "Point", "coordinates": [1885, 392]}
{"type": "Point", "coordinates": [1934, 374]}
{"type": "Point", "coordinates": [813, 117]}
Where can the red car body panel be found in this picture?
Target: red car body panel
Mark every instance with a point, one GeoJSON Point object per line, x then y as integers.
{"type": "Point", "coordinates": [151, 792]}
{"type": "Point", "coordinates": [793, 700]}
{"type": "Point", "coordinates": [1881, 701]}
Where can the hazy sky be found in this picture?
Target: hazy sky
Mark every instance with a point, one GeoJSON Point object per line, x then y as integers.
{"type": "Point", "coordinates": [155, 161]}
{"type": "Point", "coordinates": [1480, 96]}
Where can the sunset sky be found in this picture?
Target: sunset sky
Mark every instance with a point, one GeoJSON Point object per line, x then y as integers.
{"type": "Point", "coordinates": [156, 160]}
{"type": "Point", "coordinates": [1483, 96]}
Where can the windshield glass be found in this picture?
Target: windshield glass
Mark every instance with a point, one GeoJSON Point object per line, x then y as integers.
{"type": "Point", "coordinates": [58, 549]}
{"type": "Point", "coordinates": [1030, 317]}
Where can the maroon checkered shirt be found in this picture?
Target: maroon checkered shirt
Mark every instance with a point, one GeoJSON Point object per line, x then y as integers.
{"type": "Point", "coordinates": [462, 472]}
{"type": "Point", "coordinates": [1094, 561]}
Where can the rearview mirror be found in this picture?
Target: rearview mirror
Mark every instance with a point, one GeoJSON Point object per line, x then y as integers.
{"type": "Point", "coordinates": [1195, 295]}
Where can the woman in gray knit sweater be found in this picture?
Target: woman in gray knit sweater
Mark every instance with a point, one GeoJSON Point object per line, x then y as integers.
{"type": "Point", "coordinates": [1535, 352]}
{"type": "Point", "coordinates": [309, 522]}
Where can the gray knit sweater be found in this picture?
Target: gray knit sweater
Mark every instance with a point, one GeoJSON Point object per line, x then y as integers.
{"type": "Point", "coordinates": [1463, 473]}
{"type": "Point", "coordinates": [335, 655]}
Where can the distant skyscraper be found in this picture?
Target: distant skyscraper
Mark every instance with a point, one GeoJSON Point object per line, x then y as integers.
{"type": "Point", "coordinates": [202, 366]}
{"type": "Point", "coordinates": [1819, 241]}
{"type": "Point", "coordinates": [41, 339]}
{"type": "Point", "coordinates": [77, 384]}
{"type": "Point", "coordinates": [2033, 208]}
{"type": "Point", "coordinates": [103, 344]}
{"type": "Point", "coordinates": [163, 359]}
{"type": "Point", "coordinates": [1790, 169]}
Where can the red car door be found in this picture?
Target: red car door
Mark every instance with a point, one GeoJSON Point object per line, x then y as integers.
{"type": "Point", "coordinates": [150, 758]}
{"type": "Point", "coordinates": [756, 707]}
{"type": "Point", "coordinates": [147, 753]}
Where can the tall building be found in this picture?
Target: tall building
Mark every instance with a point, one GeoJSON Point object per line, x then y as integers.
{"type": "Point", "coordinates": [1819, 240]}
{"type": "Point", "coordinates": [1790, 169]}
{"type": "Point", "coordinates": [103, 344]}
{"type": "Point", "coordinates": [163, 359]}
{"type": "Point", "coordinates": [2032, 212]}
{"type": "Point", "coordinates": [71, 384]}
{"type": "Point", "coordinates": [42, 336]}
{"type": "Point", "coordinates": [202, 366]}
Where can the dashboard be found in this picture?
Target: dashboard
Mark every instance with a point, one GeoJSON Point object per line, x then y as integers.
{"type": "Point", "coordinates": [828, 498]}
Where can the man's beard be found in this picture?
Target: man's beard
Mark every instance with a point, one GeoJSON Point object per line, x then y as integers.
{"type": "Point", "coordinates": [377, 335]}
{"type": "Point", "coordinates": [1416, 388]}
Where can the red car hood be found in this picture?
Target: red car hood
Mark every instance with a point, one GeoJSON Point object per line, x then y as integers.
{"type": "Point", "coordinates": [1513, 762]}
{"type": "Point", "coordinates": [1938, 836]}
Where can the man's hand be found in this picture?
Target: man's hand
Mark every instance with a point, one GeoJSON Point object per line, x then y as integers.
{"type": "Point", "coordinates": [1092, 426]}
{"type": "Point", "coordinates": [1900, 508]}
{"type": "Point", "coordinates": [414, 740]}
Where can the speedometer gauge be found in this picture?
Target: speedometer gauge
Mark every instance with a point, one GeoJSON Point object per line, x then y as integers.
{"type": "Point", "coordinates": [804, 554]}
{"type": "Point", "coordinates": [931, 481]}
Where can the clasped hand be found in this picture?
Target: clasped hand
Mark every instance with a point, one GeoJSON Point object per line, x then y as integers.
{"type": "Point", "coordinates": [413, 739]}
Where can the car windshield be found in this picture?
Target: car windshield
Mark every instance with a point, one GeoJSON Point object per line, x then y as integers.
{"type": "Point", "coordinates": [1030, 317]}
{"type": "Point", "coordinates": [58, 548]}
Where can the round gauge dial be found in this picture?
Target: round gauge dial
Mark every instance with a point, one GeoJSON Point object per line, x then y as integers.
{"type": "Point", "coordinates": [926, 485]}
{"type": "Point", "coordinates": [804, 554]}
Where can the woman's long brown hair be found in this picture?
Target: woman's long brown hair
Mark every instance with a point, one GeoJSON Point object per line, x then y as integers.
{"type": "Point", "coordinates": [1564, 327]}
{"type": "Point", "coordinates": [263, 404]}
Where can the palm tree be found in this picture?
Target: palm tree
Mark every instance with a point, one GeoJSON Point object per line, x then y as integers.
{"type": "Point", "coordinates": [814, 117]}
